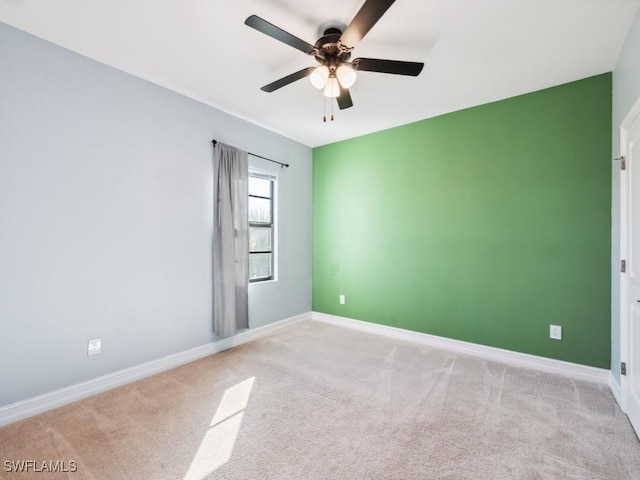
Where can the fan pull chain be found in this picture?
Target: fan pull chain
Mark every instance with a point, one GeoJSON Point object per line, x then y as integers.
{"type": "Point", "coordinates": [332, 102]}
{"type": "Point", "coordinates": [324, 109]}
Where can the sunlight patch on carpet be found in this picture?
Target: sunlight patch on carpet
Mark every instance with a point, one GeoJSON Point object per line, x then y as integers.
{"type": "Point", "coordinates": [217, 445]}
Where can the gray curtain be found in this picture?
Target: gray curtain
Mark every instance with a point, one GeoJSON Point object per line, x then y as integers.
{"type": "Point", "coordinates": [230, 240]}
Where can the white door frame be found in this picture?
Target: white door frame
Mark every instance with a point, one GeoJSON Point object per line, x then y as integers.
{"type": "Point", "coordinates": [625, 339]}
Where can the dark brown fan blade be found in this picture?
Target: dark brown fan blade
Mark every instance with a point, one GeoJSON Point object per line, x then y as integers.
{"type": "Point", "coordinates": [276, 32]}
{"type": "Point", "coordinates": [344, 99]}
{"type": "Point", "coordinates": [366, 18]}
{"type": "Point", "coordinates": [284, 81]}
{"type": "Point", "coordinates": [395, 67]}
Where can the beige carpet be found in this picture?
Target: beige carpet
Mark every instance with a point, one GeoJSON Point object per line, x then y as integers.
{"type": "Point", "coordinates": [323, 402]}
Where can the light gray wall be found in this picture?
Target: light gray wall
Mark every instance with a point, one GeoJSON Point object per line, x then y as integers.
{"type": "Point", "coordinates": [105, 218]}
{"type": "Point", "coordinates": [626, 89]}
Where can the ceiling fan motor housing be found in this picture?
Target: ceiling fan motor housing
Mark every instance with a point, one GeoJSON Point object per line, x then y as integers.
{"type": "Point", "coordinates": [329, 51]}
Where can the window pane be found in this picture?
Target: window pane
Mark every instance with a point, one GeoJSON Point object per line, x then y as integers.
{"type": "Point", "coordinates": [259, 239]}
{"type": "Point", "coordinates": [259, 265]}
{"type": "Point", "coordinates": [259, 210]}
{"type": "Point", "coordinates": [259, 187]}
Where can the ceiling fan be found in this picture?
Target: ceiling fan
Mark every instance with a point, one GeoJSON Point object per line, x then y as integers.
{"type": "Point", "coordinates": [336, 74]}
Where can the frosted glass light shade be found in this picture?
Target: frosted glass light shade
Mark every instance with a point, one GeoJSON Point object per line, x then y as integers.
{"type": "Point", "coordinates": [319, 76]}
{"type": "Point", "coordinates": [332, 89]}
{"type": "Point", "coordinates": [346, 76]}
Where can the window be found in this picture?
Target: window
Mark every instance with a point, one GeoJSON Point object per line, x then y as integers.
{"type": "Point", "coordinates": [261, 226]}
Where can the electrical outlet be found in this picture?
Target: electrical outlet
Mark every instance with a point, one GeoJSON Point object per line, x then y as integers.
{"type": "Point", "coordinates": [94, 346]}
{"type": "Point", "coordinates": [555, 332]}
{"type": "Point", "coordinates": [343, 300]}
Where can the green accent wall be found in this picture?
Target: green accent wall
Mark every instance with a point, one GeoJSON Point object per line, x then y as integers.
{"type": "Point", "coordinates": [484, 225]}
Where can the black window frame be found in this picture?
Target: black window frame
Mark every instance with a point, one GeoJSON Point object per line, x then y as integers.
{"type": "Point", "coordinates": [270, 225]}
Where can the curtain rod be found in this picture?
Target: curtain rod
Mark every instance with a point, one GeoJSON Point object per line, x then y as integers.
{"type": "Point", "coordinates": [282, 165]}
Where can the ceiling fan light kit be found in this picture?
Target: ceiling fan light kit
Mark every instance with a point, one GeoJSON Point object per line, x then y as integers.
{"type": "Point", "coordinates": [322, 76]}
{"type": "Point", "coordinates": [346, 75]}
{"type": "Point", "coordinates": [332, 51]}
{"type": "Point", "coordinates": [332, 89]}
{"type": "Point", "coordinates": [319, 76]}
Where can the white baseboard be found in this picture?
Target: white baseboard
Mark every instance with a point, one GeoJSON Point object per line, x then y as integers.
{"type": "Point", "coordinates": [42, 403]}
{"type": "Point", "coordinates": [568, 369]}
{"type": "Point", "coordinates": [614, 385]}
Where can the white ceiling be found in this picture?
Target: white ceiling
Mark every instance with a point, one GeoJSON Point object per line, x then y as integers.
{"type": "Point", "coordinates": [475, 51]}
